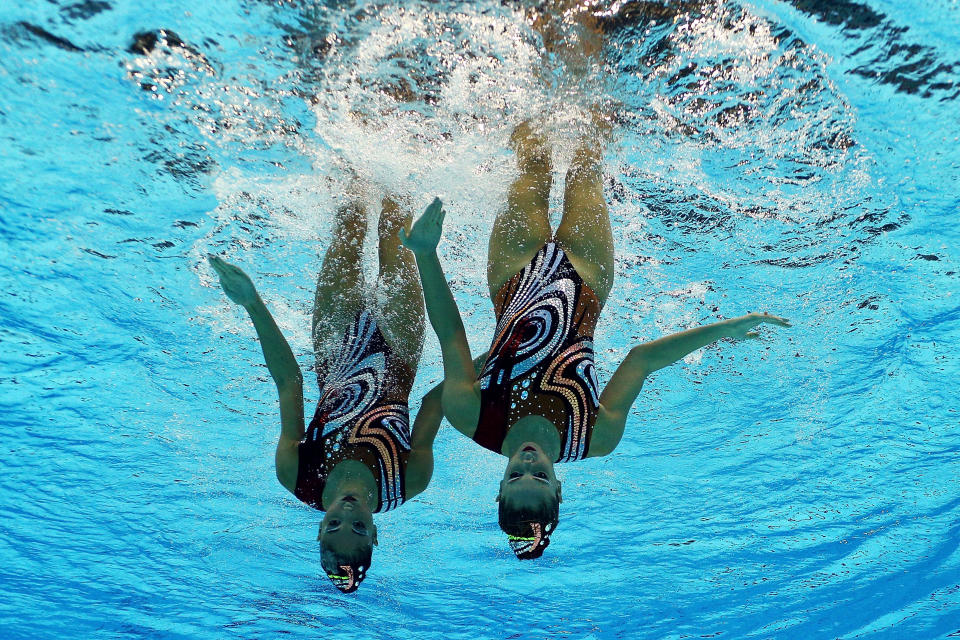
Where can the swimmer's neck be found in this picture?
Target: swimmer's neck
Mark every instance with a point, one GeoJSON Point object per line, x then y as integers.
{"type": "Point", "coordinates": [536, 429]}
{"type": "Point", "coordinates": [351, 478]}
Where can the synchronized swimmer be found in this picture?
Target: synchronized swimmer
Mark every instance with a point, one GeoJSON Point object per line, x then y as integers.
{"type": "Point", "coordinates": [357, 456]}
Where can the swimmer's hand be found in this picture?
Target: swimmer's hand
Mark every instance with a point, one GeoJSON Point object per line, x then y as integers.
{"type": "Point", "coordinates": [741, 328]}
{"type": "Point", "coordinates": [425, 234]}
{"type": "Point", "coordinates": [236, 284]}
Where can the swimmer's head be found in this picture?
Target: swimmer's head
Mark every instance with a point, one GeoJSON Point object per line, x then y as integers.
{"type": "Point", "coordinates": [347, 537]}
{"type": "Point", "coordinates": [529, 501]}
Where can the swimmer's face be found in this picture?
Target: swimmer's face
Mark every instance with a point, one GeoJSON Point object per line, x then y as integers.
{"type": "Point", "coordinates": [529, 479]}
{"type": "Point", "coordinates": [347, 527]}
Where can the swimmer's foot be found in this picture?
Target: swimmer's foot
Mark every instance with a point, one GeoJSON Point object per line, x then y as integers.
{"type": "Point", "coordinates": [594, 138]}
{"type": "Point", "coordinates": [531, 146]}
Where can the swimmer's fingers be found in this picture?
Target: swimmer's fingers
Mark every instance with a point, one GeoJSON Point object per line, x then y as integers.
{"type": "Point", "coordinates": [216, 262]}
{"type": "Point", "coordinates": [742, 328]}
{"type": "Point", "coordinates": [220, 266]}
{"type": "Point", "coordinates": [425, 234]}
{"type": "Point", "coordinates": [435, 213]}
{"type": "Point", "coordinates": [777, 320]}
{"type": "Point", "coordinates": [224, 269]}
{"type": "Point", "coordinates": [235, 283]}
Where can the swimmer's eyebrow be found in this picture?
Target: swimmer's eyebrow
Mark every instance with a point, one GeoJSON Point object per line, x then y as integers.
{"type": "Point", "coordinates": [339, 528]}
{"type": "Point", "coordinates": [543, 480]}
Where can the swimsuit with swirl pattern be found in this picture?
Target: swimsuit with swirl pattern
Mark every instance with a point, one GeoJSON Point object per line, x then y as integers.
{"type": "Point", "coordinates": [362, 415]}
{"type": "Point", "coordinates": [541, 361]}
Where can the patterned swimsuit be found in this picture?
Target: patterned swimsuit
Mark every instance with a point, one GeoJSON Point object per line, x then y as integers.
{"type": "Point", "coordinates": [541, 361]}
{"type": "Point", "coordinates": [362, 415]}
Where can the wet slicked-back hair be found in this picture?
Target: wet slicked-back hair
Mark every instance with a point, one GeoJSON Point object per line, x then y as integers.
{"type": "Point", "coordinates": [528, 529]}
{"type": "Point", "coordinates": [346, 571]}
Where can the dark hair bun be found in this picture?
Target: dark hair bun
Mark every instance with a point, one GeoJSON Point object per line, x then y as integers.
{"type": "Point", "coordinates": [348, 577]}
{"type": "Point", "coordinates": [531, 546]}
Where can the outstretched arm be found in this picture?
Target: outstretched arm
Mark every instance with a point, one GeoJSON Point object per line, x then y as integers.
{"type": "Point", "coordinates": [644, 359]}
{"type": "Point", "coordinates": [425, 428]}
{"type": "Point", "coordinates": [460, 400]}
{"type": "Point", "coordinates": [282, 365]}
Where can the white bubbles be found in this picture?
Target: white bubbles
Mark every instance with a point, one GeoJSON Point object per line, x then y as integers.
{"type": "Point", "coordinates": [422, 100]}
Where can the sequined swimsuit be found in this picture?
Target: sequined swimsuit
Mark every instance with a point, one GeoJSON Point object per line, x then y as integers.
{"type": "Point", "coordinates": [541, 361]}
{"type": "Point", "coordinates": [362, 415]}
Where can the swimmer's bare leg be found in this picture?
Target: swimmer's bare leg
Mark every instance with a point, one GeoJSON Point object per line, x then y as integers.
{"type": "Point", "coordinates": [584, 231]}
{"type": "Point", "coordinates": [339, 295]}
{"type": "Point", "coordinates": [399, 285]}
{"type": "Point", "coordinates": [523, 226]}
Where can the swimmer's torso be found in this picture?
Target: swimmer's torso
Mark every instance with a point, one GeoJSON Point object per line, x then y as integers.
{"type": "Point", "coordinates": [541, 361]}
{"type": "Point", "coordinates": [362, 415]}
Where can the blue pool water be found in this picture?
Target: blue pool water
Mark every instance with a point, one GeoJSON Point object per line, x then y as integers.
{"type": "Point", "coordinates": [800, 157]}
